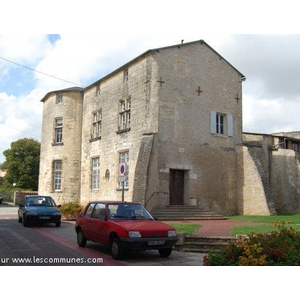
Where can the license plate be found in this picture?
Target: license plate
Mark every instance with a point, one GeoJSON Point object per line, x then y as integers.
{"type": "Point", "coordinates": [44, 218]}
{"type": "Point", "coordinates": [156, 243]}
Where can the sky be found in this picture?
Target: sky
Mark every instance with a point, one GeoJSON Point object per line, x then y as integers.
{"type": "Point", "coordinates": [271, 64]}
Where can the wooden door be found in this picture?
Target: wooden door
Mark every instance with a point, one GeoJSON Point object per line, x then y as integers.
{"type": "Point", "coordinates": [176, 187]}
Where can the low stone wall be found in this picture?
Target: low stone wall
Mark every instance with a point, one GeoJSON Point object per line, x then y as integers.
{"type": "Point", "coordinates": [20, 195]}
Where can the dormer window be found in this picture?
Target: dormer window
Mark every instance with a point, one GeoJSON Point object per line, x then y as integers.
{"type": "Point", "coordinates": [59, 98]}
{"type": "Point", "coordinates": [126, 75]}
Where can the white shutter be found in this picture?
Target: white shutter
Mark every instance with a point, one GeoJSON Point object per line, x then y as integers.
{"type": "Point", "coordinates": [230, 124]}
{"type": "Point", "coordinates": [213, 122]}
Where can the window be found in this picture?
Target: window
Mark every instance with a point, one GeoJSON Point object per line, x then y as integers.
{"type": "Point", "coordinates": [97, 90]}
{"type": "Point", "coordinates": [59, 98]}
{"type": "Point", "coordinates": [125, 114]}
{"type": "Point", "coordinates": [95, 173]}
{"type": "Point", "coordinates": [126, 75]}
{"type": "Point", "coordinates": [219, 122]}
{"type": "Point", "coordinates": [57, 175]}
{"type": "Point", "coordinates": [89, 210]}
{"type": "Point", "coordinates": [58, 130]}
{"type": "Point", "coordinates": [124, 158]}
{"type": "Point", "coordinates": [97, 124]}
{"type": "Point", "coordinates": [99, 211]}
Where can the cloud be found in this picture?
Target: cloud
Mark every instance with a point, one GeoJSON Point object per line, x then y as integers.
{"type": "Point", "coordinates": [24, 48]}
{"type": "Point", "coordinates": [269, 62]}
{"type": "Point", "coordinates": [270, 115]}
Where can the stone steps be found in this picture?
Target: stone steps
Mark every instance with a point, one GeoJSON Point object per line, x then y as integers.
{"type": "Point", "coordinates": [182, 212]}
{"type": "Point", "coordinates": [204, 244]}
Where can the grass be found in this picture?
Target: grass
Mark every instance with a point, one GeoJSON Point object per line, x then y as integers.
{"type": "Point", "coordinates": [292, 218]}
{"type": "Point", "coordinates": [268, 226]}
{"type": "Point", "coordinates": [185, 228]}
{"type": "Point", "coordinates": [263, 228]}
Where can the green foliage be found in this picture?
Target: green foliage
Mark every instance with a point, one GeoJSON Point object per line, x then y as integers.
{"type": "Point", "coordinates": [22, 164]}
{"type": "Point", "coordinates": [278, 248]}
{"type": "Point", "coordinates": [72, 207]}
{"type": "Point", "coordinates": [262, 228]}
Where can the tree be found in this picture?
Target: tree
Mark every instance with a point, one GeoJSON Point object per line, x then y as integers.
{"type": "Point", "coordinates": [22, 164]}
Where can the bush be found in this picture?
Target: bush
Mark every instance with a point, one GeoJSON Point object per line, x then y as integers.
{"type": "Point", "coordinates": [278, 248]}
{"type": "Point", "coordinates": [71, 210]}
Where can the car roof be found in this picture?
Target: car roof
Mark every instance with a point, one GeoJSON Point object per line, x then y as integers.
{"type": "Point", "coordinates": [114, 202]}
{"type": "Point", "coordinates": [37, 196]}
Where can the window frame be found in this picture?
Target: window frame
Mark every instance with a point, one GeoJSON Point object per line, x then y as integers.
{"type": "Point", "coordinates": [95, 174]}
{"type": "Point", "coordinates": [57, 176]}
{"type": "Point", "coordinates": [220, 126]}
{"type": "Point", "coordinates": [58, 131]}
{"type": "Point", "coordinates": [96, 124]}
{"type": "Point", "coordinates": [124, 114]}
{"type": "Point", "coordinates": [59, 98]}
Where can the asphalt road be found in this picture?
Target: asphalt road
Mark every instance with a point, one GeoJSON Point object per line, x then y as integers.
{"type": "Point", "coordinates": [47, 245]}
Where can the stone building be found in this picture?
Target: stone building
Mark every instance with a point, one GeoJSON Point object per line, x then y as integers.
{"type": "Point", "coordinates": [269, 173]}
{"type": "Point", "coordinates": [166, 125]}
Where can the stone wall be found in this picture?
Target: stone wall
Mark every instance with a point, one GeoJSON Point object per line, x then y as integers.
{"type": "Point", "coordinates": [20, 195]}
{"type": "Point", "coordinates": [185, 141]}
{"type": "Point", "coordinates": [286, 180]}
{"type": "Point", "coordinates": [254, 191]}
{"type": "Point", "coordinates": [68, 152]}
{"type": "Point", "coordinates": [143, 121]}
{"type": "Point", "coordinates": [268, 177]}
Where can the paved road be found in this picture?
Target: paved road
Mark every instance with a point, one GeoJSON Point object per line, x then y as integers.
{"type": "Point", "coordinates": [48, 245]}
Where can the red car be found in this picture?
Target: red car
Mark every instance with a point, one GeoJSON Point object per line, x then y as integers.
{"type": "Point", "coordinates": [123, 226]}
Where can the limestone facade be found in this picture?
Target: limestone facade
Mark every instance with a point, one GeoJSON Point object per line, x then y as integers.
{"type": "Point", "coordinates": [269, 174]}
{"type": "Point", "coordinates": [172, 119]}
{"type": "Point", "coordinates": [66, 150]}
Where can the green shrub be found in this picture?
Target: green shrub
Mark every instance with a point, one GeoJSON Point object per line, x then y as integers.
{"type": "Point", "coordinates": [71, 210]}
{"type": "Point", "coordinates": [278, 248]}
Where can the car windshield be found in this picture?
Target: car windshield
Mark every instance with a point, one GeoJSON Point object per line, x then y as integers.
{"type": "Point", "coordinates": [128, 211]}
{"type": "Point", "coordinates": [39, 201]}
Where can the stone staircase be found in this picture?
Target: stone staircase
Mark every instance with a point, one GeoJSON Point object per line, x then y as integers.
{"type": "Point", "coordinates": [203, 244]}
{"type": "Point", "coordinates": [184, 212]}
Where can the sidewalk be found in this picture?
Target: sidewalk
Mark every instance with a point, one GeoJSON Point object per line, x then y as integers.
{"type": "Point", "coordinates": [218, 227]}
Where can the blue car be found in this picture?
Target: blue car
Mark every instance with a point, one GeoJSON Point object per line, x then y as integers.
{"type": "Point", "coordinates": [39, 209]}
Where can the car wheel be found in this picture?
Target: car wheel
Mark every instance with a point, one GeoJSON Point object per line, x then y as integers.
{"type": "Point", "coordinates": [165, 252]}
{"type": "Point", "coordinates": [24, 221]}
{"type": "Point", "coordinates": [81, 240]}
{"type": "Point", "coordinates": [117, 251]}
{"type": "Point", "coordinates": [57, 224]}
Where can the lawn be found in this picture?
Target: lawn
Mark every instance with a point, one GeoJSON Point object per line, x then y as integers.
{"type": "Point", "coordinates": [185, 228]}
{"type": "Point", "coordinates": [292, 218]}
{"type": "Point", "coordinates": [268, 226]}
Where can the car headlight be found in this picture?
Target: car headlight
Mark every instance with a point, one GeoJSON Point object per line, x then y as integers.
{"type": "Point", "coordinates": [134, 234]}
{"type": "Point", "coordinates": [172, 233]}
{"type": "Point", "coordinates": [58, 213]}
{"type": "Point", "coordinates": [31, 213]}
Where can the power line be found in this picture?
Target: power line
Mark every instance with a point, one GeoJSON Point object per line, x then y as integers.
{"type": "Point", "coordinates": [20, 130]}
{"type": "Point", "coordinates": [12, 62]}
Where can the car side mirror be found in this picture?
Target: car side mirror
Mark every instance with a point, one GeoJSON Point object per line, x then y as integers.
{"type": "Point", "coordinates": [59, 206]}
